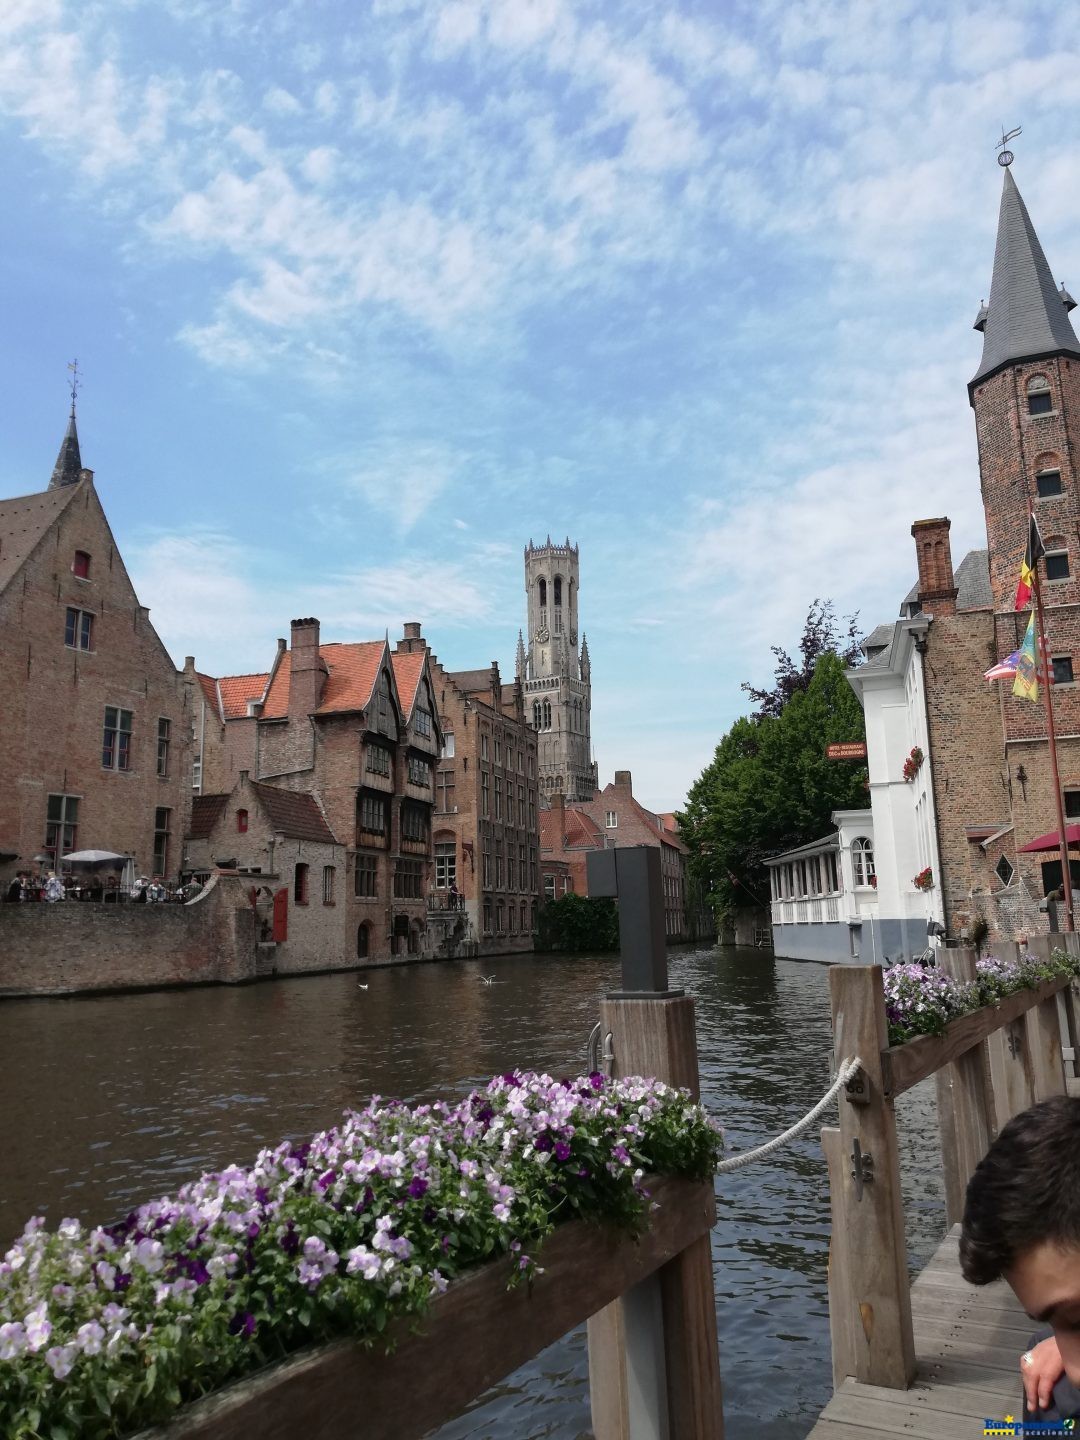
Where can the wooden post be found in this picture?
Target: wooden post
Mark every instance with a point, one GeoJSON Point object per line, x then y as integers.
{"type": "Point", "coordinates": [1044, 1038]}
{"type": "Point", "coordinates": [877, 1306]}
{"type": "Point", "coordinates": [965, 1103]}
{"type": "Point", "coordinates": [654, 1369]}
{"type": "Point", "coordinates": [841, 1335]}
{"type": "Point", "coordinates": [1011, 1071]}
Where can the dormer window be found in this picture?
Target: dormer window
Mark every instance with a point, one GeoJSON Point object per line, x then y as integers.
{"type": "Point", "coordinates": [80, 565]}
{"type": "Point", "coordinates": [1040, 401]}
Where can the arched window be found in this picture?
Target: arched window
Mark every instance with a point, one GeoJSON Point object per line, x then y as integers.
{"type": "Point", "coordinates": [543, 591]}
{"type": "Point", "coordinates": [524, 918]}
{"type": "Point", "coordinates": [558, 589]}
{"type": "Point", "coordinates": [363, 940]}
{"type": "Point", "coordinates": [300, 884]}
{"type": "Point", "coordinates": [1040, 401]}
{"type": "Point", "coordinates": [241, 822]}
{"type": "Point", "coordinates": [862, 860]}
{"type": "Point", "coordinates": [537, 714]}
{"type": "Point", "coordinates": [547, 714]}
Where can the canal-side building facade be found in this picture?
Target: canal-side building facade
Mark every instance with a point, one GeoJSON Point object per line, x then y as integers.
{"type": "Point", "coordinates": [486, 880]}
{"type": "Point", "coordinates": [556, 673]}
{"type": "Point", "coordinates": [95, 746]}
{"type": "Point", "coordinates": [351, 731]}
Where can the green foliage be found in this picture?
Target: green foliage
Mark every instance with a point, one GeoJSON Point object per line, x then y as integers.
{"type": "Point", "coordinates": [770, 787]}
{"type": "Point", "coordinates": [577, 923]}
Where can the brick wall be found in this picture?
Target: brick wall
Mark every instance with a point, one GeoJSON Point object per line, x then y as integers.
{"type": "Point", "coordinates": [70, 947]}
{"type": "Point", "coordinates": [55, 698]}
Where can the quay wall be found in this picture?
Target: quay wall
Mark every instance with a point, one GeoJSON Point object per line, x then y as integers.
{"type": "Point", "coordinates": [73, 947]}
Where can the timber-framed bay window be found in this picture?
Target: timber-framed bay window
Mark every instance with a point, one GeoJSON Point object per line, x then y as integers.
{"type": "Point", "coordinates": [415, 827]}
{"type": "Point", "coordinates": [366, 877]}
{"type": "Point", "coordinates": [372, 819]}
{"type": "Point", "coordinates": [408, 879]}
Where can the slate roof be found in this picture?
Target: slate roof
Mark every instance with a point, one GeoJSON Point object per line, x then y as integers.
{"type": "Point", "coordinates": [68, 465]}
{"type": "Point", "coordinates": [352, 670]}
{"type": "Point", "coordinates": [1026, 316]}
{"type": "Point", "coordinates": [973, 582]}
{"type": "Point", "coordinates": [24, 521]}
{"type": "Point", "coordinates": [294, 813]}
{"type": "Point", "coordinates": [879, 637]}
{"type": "Point", "coordinates": [408, 667]}
{"type": "Point", "coordinates": [205, 812]}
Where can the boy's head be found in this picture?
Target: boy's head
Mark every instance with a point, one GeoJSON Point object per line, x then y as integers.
{"type": "Point", "coordinates": [1022, 1219]}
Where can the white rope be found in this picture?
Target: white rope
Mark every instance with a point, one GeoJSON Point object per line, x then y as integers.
{"type": "Point", "coordinates": [843, 1075]}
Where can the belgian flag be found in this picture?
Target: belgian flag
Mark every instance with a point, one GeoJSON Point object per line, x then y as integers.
{"type": "Point", "coordinates": [1032, 555]}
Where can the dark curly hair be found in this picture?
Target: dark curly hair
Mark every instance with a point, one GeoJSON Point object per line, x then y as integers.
{"type": "Point", "coordinates": [1025, 1190]}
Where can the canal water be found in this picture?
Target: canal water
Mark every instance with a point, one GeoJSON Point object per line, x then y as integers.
{"type": "Point", "coordinates": [109, 1101]}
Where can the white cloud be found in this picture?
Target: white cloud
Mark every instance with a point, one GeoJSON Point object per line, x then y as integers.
{"type": "Point", "coordinates": [281, 102]}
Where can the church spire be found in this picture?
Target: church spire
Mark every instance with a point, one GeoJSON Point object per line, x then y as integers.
{"type": "Point", "coordinates": [68, 467]}
{"type": "Point", "coordinates": [1027, 317]}
{"type": "Point", "coordinates": [521, 664]}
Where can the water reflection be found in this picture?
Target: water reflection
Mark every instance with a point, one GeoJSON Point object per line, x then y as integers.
{"type": "Point", "coordinates": [107, 1101]}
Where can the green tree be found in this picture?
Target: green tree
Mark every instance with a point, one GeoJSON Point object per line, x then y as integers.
{"type": "Point", "coordinates": [770, 787]}
{"type": "Point", "coordinates": [574, 922]}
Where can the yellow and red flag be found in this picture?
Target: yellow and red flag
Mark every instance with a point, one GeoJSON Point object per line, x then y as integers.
{"type": "Point", "coordinates": [1034, 552]}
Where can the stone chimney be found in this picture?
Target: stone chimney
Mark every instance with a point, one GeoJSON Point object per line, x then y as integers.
{"type": "Point", "coordinates": [937, 589]}
{"type": "Point", "coordinates": [622, 781]}
{"type": "Point", "coordinates": [557, 806]}
{"type": "Point", "coordinates": [306, 674]}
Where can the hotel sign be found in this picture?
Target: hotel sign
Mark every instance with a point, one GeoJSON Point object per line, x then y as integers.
{"type": "Point", "coordinates": [846, 750]}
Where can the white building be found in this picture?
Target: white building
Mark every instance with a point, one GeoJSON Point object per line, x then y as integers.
{"type": "Point", "coordinates": [892, 692]}
{"type": "Point", "coordinates": [824, 895]}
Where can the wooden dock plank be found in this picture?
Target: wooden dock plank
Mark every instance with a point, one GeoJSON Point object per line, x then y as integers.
{"type": "Point", "coordinates": [968, 1342]}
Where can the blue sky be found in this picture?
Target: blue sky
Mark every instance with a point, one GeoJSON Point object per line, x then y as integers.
{"type": "Point", "coordinates": [367, 295]}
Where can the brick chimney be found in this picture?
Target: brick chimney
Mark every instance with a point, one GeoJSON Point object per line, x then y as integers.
{"type": "Point", "coordinates": [557, 806]}
{"type": "Point", "coordinates": [622, 781]}
{"type": "Point", "coordinates": [937, 589]}
{"type": "Point", "coordinates": [306, 674]}
{"type": "Point", "coordinates": [412, 639]}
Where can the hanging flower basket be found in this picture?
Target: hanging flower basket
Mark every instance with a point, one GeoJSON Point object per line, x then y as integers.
{"type": "Point", "coordinates": [924, 880]}
{"type": "Point", "coordinates": [913, 764]}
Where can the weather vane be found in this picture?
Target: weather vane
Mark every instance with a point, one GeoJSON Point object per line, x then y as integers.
{"type": "Point", "coordinates": [76, 382]}
{"type": "Point", "coordinates": [1005, 159]}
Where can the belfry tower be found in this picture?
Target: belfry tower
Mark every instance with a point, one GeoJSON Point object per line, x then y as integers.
{"type": "Point", "coordinates": [555, 674]}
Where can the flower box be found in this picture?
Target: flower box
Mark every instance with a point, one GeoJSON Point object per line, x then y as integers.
{"type": "Point", "coordinates": [472, 1336]}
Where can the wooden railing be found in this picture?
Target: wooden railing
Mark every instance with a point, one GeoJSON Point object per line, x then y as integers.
{"type": "Point", "coordinates": [988, 1066]}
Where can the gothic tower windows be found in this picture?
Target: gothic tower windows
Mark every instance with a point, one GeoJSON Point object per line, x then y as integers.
{"type": "Point", "coordinates": [558, 590]}
{"type": "Point", "coordinates": [556, 683]}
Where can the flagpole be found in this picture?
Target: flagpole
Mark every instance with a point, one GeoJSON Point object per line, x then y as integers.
{"type": "Point", "coordinates": [1040, 645]}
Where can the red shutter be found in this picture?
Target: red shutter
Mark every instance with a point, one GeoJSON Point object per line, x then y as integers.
{"type": "Point", "coordinates": [281, 915]}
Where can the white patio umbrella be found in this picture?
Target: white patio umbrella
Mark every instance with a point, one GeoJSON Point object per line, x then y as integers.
{"type": "Point", "coordinates": [95, 860]}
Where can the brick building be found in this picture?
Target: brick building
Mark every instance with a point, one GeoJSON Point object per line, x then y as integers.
{"type": "Point", "coordinates": [486, 829]}
{"type": "Point", "coordinates": [612, 818]}
{"type": "Point", "coordinates": [351, 732]}
{"type": "Point", "coordinates": [989, 755]}
{"type": "Point", "coordinates": [95, 746]}
{"type": "Point", "coordinates": [555, 674]}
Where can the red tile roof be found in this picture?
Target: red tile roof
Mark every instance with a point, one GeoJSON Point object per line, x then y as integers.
{"type": "Point", "coordinates": [205, 813]}
{"type": "Point", "coordinates": [238, 690]}
{"type": "Point", "coordinates": [580, 831]}
{"type": "Point", "coordinates": [208, 685]}
{"type": "Point", "coordinates": [408, 667]}
{"type": "Point", "coordinates": [294, 813]}
{"type": "Point", "coordinates": [352, 670]}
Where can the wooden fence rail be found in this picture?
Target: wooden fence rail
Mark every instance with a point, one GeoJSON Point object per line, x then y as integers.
{"type": "Point", "coordinates": [988, 1066]}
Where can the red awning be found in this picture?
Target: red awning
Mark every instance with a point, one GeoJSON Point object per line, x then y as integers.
{"type": "Point", "coordinates": [1051, 841]}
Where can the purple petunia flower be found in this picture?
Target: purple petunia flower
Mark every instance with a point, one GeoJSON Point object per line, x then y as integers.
{"type": "Point", "coordinates": [418, 1187]}
{"type": "Point", "coordinates": [562, 1151]}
